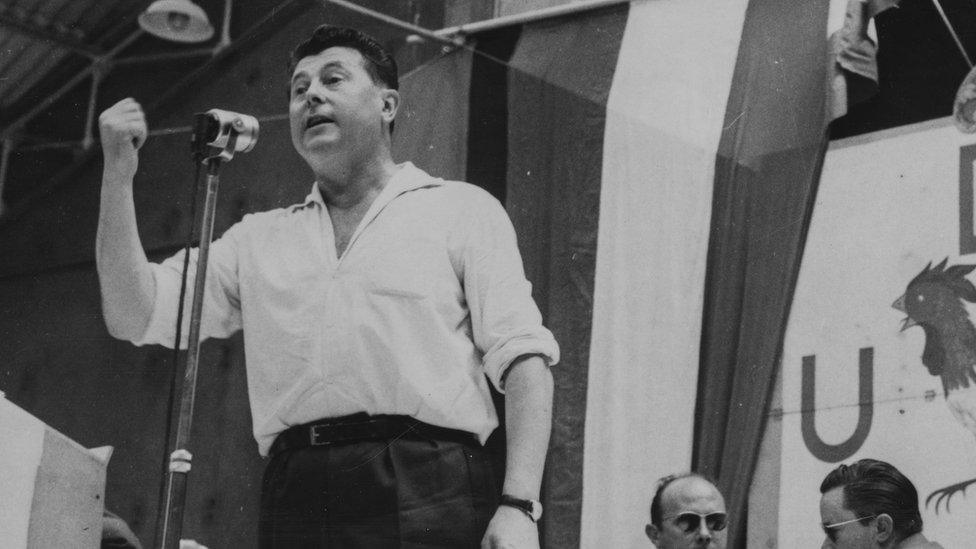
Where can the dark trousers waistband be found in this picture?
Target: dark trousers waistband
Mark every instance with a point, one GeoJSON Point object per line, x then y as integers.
{"type": "Point", "coordinates": [402, 491]}
{"type": "Point", "coordinates": [362, 426]}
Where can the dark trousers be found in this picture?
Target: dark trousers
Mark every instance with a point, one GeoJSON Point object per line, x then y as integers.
{"type": "Point", "coordinates": [407, 492]}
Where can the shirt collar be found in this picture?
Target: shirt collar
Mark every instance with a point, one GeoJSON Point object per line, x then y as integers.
{"type": "Point", "coordinates": [407, 178]}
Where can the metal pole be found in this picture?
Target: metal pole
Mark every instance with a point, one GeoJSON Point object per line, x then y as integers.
{"type": "Point", "coordinates": [224, 28]}
{"type": "Point", "coordinates": [165, 56]}
{"type": "Point", "coordinates": [527, 17]}
{"type": "Point", "coordinates": [97, 74]}
{"type": "Point", "coordinates": [174, 130]}
{"type": "Point", "coordinates": [952, 32]}
{"type": "Point", "coordinates": [180, 459]}
{"type": "Point", "coordinates": [456, 41]}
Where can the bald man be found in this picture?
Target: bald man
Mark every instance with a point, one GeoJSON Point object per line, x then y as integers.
{"type": "Point", "coordinates": [687, 512]}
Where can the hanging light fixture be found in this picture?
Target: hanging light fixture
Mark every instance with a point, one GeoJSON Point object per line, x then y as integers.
{"type": "Point", "coordinates": [176, 20]}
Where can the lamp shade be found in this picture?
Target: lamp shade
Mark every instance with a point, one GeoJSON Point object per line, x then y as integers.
{"type": "Point", "coordinates": [176, 20]}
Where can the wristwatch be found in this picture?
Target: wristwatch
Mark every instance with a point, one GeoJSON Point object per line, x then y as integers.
{"type": "Point", "coordinates": [531, 507]}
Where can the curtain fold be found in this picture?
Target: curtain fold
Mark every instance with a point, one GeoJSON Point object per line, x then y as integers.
{"type": "Point", "coordinates": [664, 114]}
{"type": "Point", "coordinates": [766, 175]}
{"type": "Point", "coordinates": [433, 116]}
{"type": "Point", "coordinates": [695, 166]}
{"type": "Point", "coordinates": [559, 80]}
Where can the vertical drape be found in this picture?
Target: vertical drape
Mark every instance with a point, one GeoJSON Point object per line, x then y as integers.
{"type": "Point", "coordinates": [664, 115]}
{"type": "Point", "coordinates": [522, 115]}
{"type": "Point", "coordinates": [766, 176]}
{"type": "Point", "coordinates": [488, 110]}
{"type": "Point", "coordinates": [558, 84]}
{"type": "Point", "coordinates": [433, 116]}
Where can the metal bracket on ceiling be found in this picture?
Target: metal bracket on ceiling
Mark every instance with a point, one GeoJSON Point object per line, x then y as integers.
{"type": "Point", "coordinates": [450, 42]}
{"type": "Point", "coordinates": [224, 28]}
{"type": "Point", "coordinates": [952, 32]}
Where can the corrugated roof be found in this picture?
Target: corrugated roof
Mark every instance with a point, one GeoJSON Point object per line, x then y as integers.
{"type": "Point", "coordinates": [41, 37]}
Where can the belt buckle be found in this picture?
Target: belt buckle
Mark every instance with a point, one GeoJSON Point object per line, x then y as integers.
{"type": "Point", "coordinates": [315, 436]}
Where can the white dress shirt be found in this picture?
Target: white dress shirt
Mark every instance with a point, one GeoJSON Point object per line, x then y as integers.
{"type": "Point", "coordinates": [428, 296]}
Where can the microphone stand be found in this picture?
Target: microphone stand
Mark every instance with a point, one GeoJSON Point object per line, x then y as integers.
{"type": "Point", "coordinates": [180, 459]}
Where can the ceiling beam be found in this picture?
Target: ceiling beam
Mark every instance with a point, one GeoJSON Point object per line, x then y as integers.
{"type": "Point", "coordinates": [99, 65]}
{"type": "Point", "coordinates": [62, 38]}
{"type": "Point", "coordinates": [281, 14]}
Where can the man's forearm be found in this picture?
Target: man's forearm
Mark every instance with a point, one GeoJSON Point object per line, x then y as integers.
{"type": "Point", "coordinates": [124, 274]}
{"type": "Point", "coordinates": [528, 424]}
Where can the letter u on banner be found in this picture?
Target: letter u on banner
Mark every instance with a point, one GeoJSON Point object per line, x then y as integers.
{"type": "Point", "coordinates": [821, 450]}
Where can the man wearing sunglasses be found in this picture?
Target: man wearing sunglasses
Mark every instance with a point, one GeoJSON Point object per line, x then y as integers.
{"type": "Point", "coordinates": [687, 512]}
{"type": "Point", "coordinates": [870, 504]}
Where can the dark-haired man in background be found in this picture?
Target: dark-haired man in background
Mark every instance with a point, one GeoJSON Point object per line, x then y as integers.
{"type": "Point", "coordinates": [870, 504]}
{"type": "Point", "coordinates": [687, 512]}
{"type": "Point", "coordinates": [372, 314]}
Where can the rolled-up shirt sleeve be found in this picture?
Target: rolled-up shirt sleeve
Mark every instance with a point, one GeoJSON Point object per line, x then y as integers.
{"type": "Point", "coordinates": [221, 315]}
{"type": "Point", "coordinates": [505, 320]}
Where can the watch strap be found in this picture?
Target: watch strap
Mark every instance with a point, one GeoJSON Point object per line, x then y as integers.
{"type": "Point", "coordinates": [532, 509]}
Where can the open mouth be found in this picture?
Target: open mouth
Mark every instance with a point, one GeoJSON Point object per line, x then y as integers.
{"type": "Point", "coordinates": [317, 120]}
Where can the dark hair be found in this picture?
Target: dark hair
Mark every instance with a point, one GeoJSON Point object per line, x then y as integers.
{"type": "Point", "coordinates": [380, 65]}
{"type": "Point", "coordinates": [662, 483]}
{"type": "Point", "coordinates": [872, 487]}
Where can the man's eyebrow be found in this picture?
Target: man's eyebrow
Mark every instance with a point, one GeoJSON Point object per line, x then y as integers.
{"type": "Point", "coordinates": [332, 65]}
{"type": "Point", "coordinates": [325, 67]}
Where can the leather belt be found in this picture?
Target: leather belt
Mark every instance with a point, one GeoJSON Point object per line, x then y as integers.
{"type": "Point", "coordinates": [362, 426]}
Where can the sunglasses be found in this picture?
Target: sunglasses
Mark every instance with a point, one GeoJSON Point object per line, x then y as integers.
{"type": "Point", "coordinates": [831, 529]}
{"type": "Point", "coordinates": [690, 522]}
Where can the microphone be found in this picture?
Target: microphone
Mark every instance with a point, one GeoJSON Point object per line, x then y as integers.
{"type": "Point", "coordinates": [214, 128]}
{"type": "Point", "coordinates": [964, 107]}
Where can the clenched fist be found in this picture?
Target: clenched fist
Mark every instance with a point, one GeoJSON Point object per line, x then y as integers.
{"type": "Point", "coordinates": [123, 130]}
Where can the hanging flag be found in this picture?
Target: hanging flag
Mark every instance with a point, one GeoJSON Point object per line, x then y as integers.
{"type": "Point", "coordinates": [603, 134]}
{"type": "Point", "coordinates": [664, 121]}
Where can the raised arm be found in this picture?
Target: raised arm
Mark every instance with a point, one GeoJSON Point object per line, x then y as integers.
{"type": "Point", "coordinates": [123, 270]}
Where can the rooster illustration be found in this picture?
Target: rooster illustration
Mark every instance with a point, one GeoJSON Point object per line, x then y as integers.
{"type": "Point", "coordinates": [934, 300]}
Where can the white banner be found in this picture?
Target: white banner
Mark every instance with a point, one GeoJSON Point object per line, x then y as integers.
{"type": "Point", "coordinates": [664, 117]}
{"type": "Point", "coordinates": [889, 204]}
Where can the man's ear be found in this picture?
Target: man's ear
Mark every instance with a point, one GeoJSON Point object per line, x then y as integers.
{"type": "Point", "coordinates": [884, 529]}
{"type": "Point", "coordinates": [653, 533]}
{"type": "Point", "coordinates": [391, 103]}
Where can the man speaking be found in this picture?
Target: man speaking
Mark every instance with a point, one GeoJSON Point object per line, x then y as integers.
{"type": "Point", "coordinates": [374, 312]}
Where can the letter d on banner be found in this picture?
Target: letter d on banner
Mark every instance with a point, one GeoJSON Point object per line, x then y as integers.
{"type": "Point", "coordinates": [967, 219]}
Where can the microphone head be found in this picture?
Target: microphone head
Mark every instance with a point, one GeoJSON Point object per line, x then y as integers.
{"type": "Point", "coordinates": [244, 125]}
{"type": "Point", "coordinates": [215, 127]}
